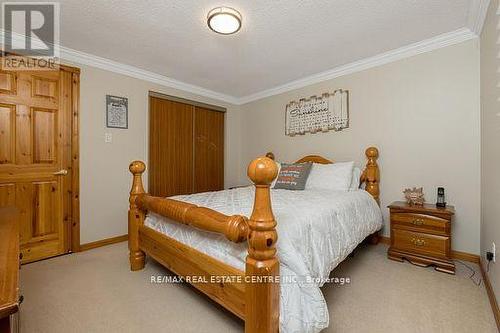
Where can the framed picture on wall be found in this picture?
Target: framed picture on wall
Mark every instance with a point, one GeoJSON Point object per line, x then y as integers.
{"type": "Point", "coordinates": [116, 112]}
{"type": "Point", "coordinates": [328, 112]}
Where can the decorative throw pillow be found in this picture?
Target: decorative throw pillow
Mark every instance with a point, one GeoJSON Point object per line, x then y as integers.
{"type": "Point", "coordinates": [293, 176]}
{"type": "Point", "coordinates": [335, 177]}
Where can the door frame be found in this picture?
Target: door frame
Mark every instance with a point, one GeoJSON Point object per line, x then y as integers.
{"type": "Point", "coordinates": [73, 230]}
{"type": "Point", "coordinates": [185, 101]}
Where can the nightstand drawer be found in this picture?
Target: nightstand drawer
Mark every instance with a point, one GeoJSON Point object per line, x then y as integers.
{"type": "Point", "coordinates": [416, 242]}
{"type": "Point", "coordinates": [420, 221]}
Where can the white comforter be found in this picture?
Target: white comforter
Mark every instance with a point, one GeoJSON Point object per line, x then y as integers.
{"type": "Point", "coordinates": [316, 231]}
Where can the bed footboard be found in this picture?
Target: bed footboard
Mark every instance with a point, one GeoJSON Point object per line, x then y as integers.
{"type": "Point", "coordinates": [260, 305]}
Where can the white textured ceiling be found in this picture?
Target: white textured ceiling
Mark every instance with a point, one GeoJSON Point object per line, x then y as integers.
{"type": "Point", "coordinates": [280, 41]}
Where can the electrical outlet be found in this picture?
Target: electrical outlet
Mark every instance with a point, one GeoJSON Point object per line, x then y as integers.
{"type": "Point", "coordinates": [494, 250]}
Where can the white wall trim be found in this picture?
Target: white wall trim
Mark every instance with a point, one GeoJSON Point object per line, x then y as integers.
{"type": "Point", "coordinates": [427, 45]}
{"type": "Point", "coordinates": [78, 57]}
{"type": "Point", "coordinates": [447, 39]}
{"type": "Point", "coordinates": [477, 15]}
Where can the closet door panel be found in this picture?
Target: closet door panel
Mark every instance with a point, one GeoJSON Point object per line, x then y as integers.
{"type": "Point", "coordinates": [170, 147]}
{"type": "Point", "coordinates": [208, 150]}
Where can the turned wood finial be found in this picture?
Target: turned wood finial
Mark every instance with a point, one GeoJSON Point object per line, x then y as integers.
{"type": "Point", "coordinates": [262, 171]}
{"type": "Point", "coordinates": [137, 168]}
{"type": "Point", "coordinates": [371, 152]}
{"type": "Point", "coordinates": [270, 155]}
{"type": "Point", "coordinates": [372, 174]}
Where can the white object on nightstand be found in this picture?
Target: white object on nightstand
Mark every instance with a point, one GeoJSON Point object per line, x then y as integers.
{"type": "Point", "coordinates": [108, 137]}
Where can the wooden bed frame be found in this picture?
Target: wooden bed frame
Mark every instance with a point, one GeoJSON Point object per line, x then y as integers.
{"type": "Point", "coordinates": [256, 303]}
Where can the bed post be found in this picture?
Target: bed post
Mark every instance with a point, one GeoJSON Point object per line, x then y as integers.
{"type": "Point", "coordinates": [372, 174]}
{"type": "Point", "coordinates": [262, 296]}
{"type": "Point", "coordinates": [135, 216]}
{"type": "Point", "coordinates": [372, 179]}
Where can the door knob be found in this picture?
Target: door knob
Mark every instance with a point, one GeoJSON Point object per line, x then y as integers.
{"type": "Point", "coordinates": [62, 172]}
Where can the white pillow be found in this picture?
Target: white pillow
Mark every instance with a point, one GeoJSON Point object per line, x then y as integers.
{"type": "Point", "coordinates": [275, 179]}
{"type": "Point", "coordinates": [336, 176]}
{"type": "Point", "coordinates": [356, 174]}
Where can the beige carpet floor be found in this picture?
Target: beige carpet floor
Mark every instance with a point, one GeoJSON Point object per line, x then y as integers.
{"type": "Point", "coordinates": [94, 291]}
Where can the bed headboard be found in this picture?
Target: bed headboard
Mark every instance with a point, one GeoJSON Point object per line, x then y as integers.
{"type": "Point", "coordinates": [370, 175]}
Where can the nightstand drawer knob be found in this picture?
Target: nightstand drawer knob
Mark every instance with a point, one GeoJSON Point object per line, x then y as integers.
{"type": "Point", "coordinates": [418, 242]}
{"type": "Point", "coordinates": [417, 222]}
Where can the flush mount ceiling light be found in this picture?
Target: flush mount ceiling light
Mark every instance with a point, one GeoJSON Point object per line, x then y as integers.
{"type": "Point", "coordinates": [224, 20]}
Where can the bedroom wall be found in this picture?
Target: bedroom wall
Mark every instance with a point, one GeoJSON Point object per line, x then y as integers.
{"type": "Point", "coordinates": [490, 137]}
{"type": "Point", "coordinates": [421, 112]}
{"type": "Point", "coordinates": [105, 179]}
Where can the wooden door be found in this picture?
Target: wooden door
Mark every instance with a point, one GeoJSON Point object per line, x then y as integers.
{"type": "Point", "coordinates": [208, 150]}
{"type": "Point", "coordinates": [35, 158]}
{"type": "Point", "coordinates": [170, 147]}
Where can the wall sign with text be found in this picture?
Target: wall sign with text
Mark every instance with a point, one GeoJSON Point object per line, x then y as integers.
{"type": "Point", "coordinates": [116, 112]}
{"type": "Point", "coordinates": [324, 113]}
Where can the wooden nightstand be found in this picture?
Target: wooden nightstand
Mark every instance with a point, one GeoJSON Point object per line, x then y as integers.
{"type": "Point", "coordinates": [422, 235]}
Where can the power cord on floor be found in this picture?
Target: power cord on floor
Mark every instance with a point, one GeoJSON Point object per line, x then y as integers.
{"type": "Point", "coordinates": [473, 271]}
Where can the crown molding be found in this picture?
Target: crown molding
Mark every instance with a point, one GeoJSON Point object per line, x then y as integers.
{"type": "Point", "coordinates": [135, 72]}
{"type": "Point", "coordinates": [447, 39]}
{"type": "Point", "coordinates": [477, 15]}
{"type": "Point", "coordinates": [82, 58]}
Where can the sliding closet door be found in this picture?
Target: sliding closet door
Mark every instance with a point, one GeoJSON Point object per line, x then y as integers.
{"type": "Point", "coordinates": [170, 147]}
{"type": "Point", "coordinates": [208, 150]}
